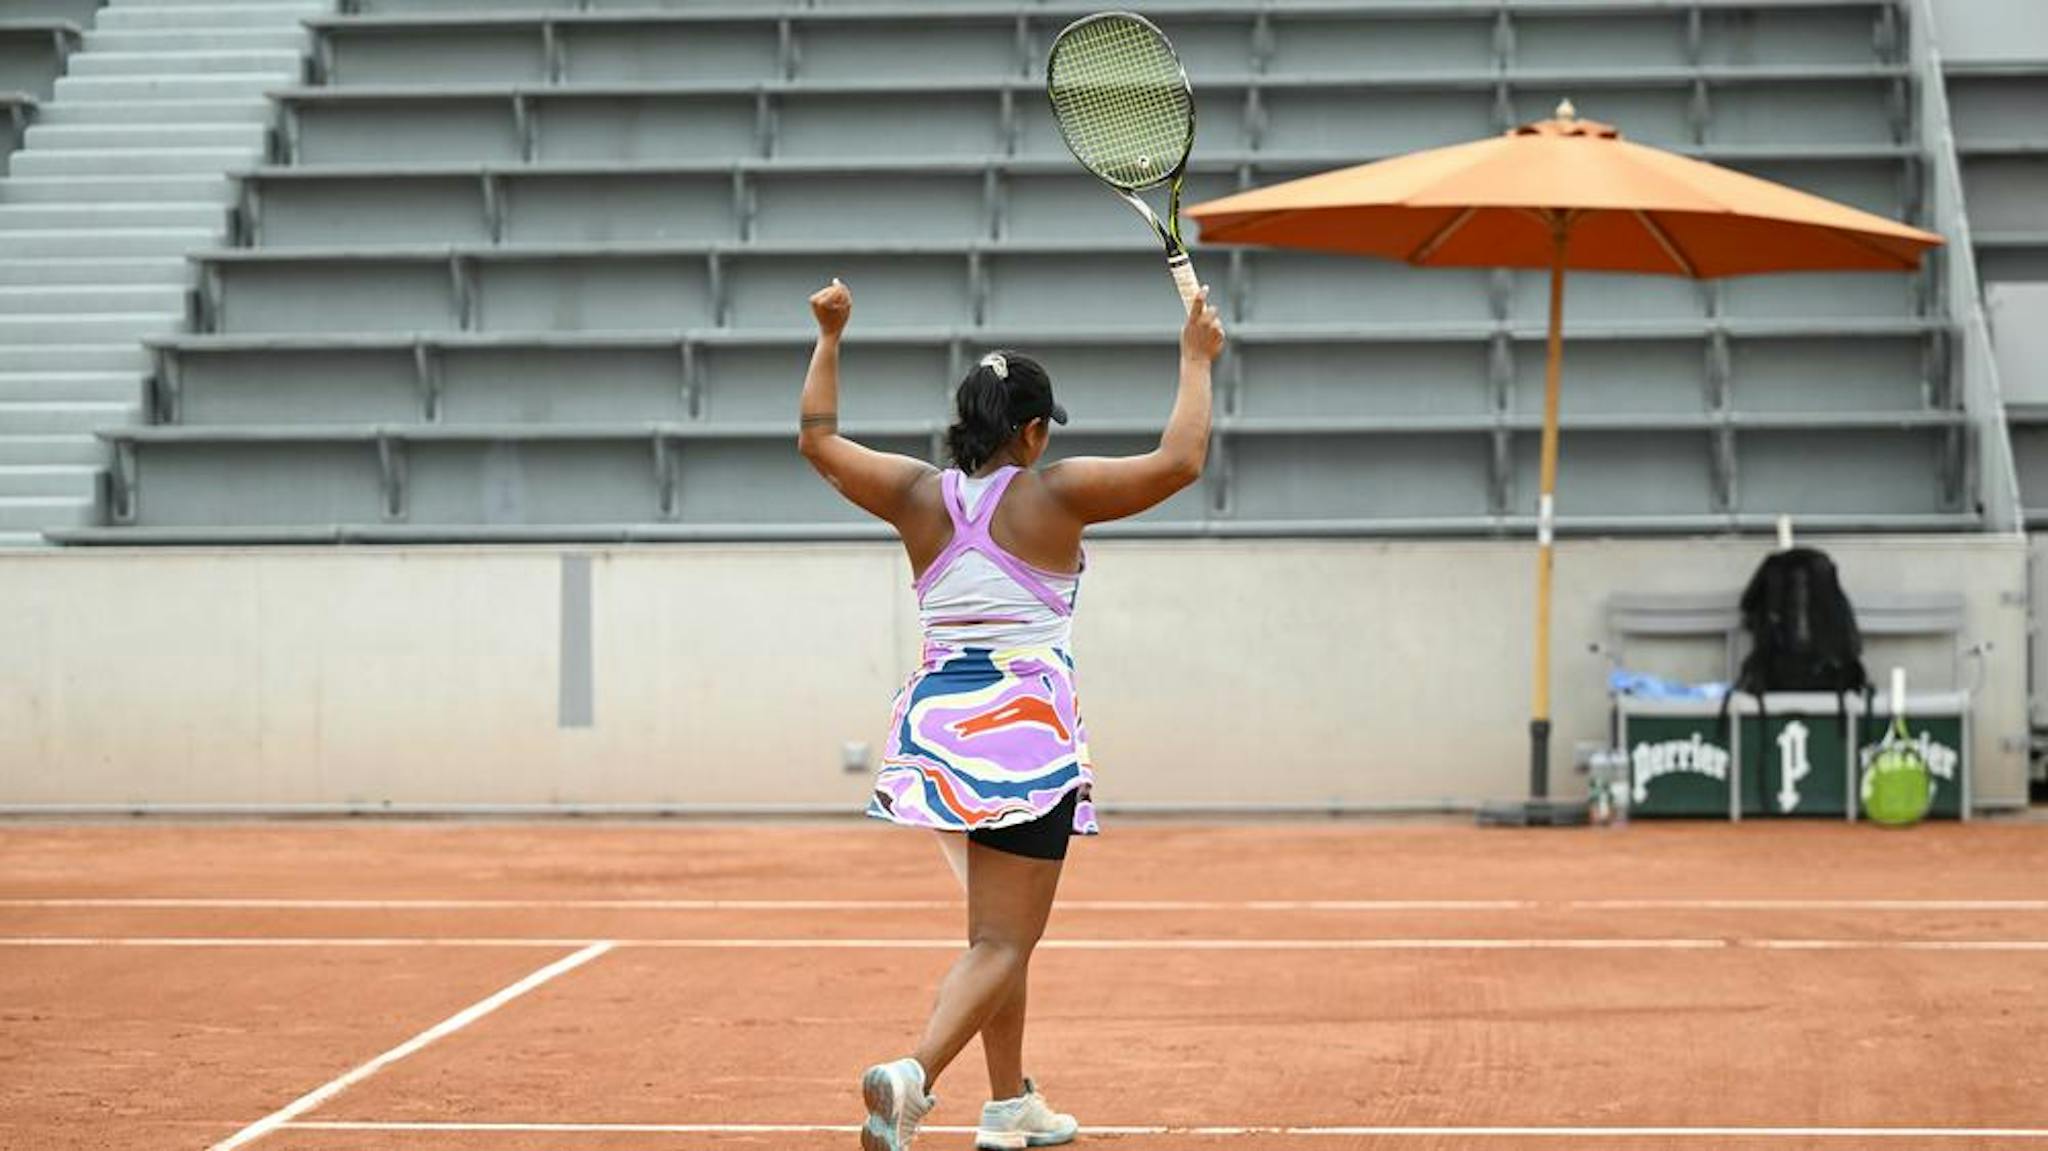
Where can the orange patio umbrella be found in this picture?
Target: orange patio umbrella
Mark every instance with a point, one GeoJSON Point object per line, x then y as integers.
{"type": "Point", "coordinates": [1557, 194]}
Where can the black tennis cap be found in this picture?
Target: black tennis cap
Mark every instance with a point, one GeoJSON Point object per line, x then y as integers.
{"type": "Point", "coordinates": [1026, 387]}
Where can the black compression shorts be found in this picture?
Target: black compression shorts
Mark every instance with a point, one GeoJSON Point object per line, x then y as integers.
{"type": "Point", "coordinates": [1043, 838]}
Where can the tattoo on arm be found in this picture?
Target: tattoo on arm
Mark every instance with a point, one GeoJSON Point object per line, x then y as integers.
{"type": "Point", "coordinates": [826, 420]}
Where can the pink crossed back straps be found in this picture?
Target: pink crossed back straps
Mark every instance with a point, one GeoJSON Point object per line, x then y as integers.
{"type": "Point", "coordinates": [972, 534]}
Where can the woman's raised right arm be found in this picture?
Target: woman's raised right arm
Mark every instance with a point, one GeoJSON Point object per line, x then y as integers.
{"type": "Point", "coordinates": [879, 483]}
{"type": "Point", "coordinates": [1097, 488]}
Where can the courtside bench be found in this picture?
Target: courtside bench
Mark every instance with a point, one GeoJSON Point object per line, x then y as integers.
{"type": "Point", "coordinates": [1796, 753]}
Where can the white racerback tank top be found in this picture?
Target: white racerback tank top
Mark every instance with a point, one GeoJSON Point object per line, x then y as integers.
{"type": "Point", "coordinates": [1010, 603]}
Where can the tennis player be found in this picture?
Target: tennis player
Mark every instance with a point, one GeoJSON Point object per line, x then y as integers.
{"type": "Point", "coordinates": [986, 746]}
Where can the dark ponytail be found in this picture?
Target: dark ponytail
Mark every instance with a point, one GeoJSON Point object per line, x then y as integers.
{"type": "Point", "coordinates": [982, 424]}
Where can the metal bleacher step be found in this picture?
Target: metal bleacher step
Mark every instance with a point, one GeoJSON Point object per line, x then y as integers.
{"type": "Point", "coordinates": [132, 161]}
{"type": "Point", "coordinates": [49, 481]}
{"type": "Point", "coordinates": [213, 8]}
{"type": "Point", "coordinates": [154, 40]}
{"type": "Point", "coordinates": [126, 356]}
{"type": "Point", "coordinates": [240, 85]}
{"type": "Point", "coordinates": [90, 137]}
{"type": "Point", "coordinates": [104, 242]}
{"type": "Point", "coordinates": [30, 450]}
{"type": "Point", "coordinates": [92, 387]}
{"type": "Point", "coordinates": [192, 62]}
{"type": "Point", "coordinates": [44, 418]}
{"type": "Point", "coordinates": [42, 217]}
{"type": "Point", "coordinates": [155, 111]}
{"type": "Point", "coordinates": [132, 17]}
{"type": "Point", "coordinates": [17, 330]}
{"type": "Point", "coordinates": [161, 271]}
{"type": "Point", "coordinates": [34, 513]}
{"type": "Point", "coordinates": [185, 189]}
{"type": "Point", "coordinates": [89, 299]}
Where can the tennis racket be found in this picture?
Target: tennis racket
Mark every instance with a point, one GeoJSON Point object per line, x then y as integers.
{"type": "Point", "coordinates": [1896, 788]}
{"type": "Point", "coordinates": [1126, 111]}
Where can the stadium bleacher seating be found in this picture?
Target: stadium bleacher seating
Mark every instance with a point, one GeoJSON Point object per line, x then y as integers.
{"type": "Point", "coordinates": [16, 110]}
{"type": "Point", "coordinates": [33, 51]}
{"type": "Point", "coordinates": [79, 13]}
{"type": "Point", "coordinates": [33, 47]}
{"type": "Point", "coordinates": [2003, 143]}
{"type": "Point", "coordinates": [553, 285]}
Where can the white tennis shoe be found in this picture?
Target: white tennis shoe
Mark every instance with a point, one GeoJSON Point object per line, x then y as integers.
{"type": "Point", "coordinates": [897, 1104]}
{"type": "Point", "coordinates": [1026, 1121]}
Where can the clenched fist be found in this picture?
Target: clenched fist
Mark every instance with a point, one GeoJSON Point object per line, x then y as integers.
{"type": "Point", "coordinates": [830, 306]}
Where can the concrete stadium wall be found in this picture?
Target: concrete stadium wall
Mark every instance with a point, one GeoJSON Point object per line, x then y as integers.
{"type": "Point", "coordinates": [2037, 636]}
{"type": "Point", "coordinates": [1239, 673]}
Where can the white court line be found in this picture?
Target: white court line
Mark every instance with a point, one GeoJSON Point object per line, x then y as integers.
{"type": "Point", "coordinates": [441, 1030]}
{"type": "Point", "coordinates": [286, 942]}
{"type": "Point", "coordinates": [1388, 944]}
{"type": "Point", "coordinates": [1087, 905]}
{"type": "Point", "coordinates": [1231, 1131]}
{"type": "Point", "coordinates": [812, 944]}
{"type": "Point", "coordinates": [1808, 904]}
{"type": "Point", "coordinates": [1901, 944]}
{"type": "Point", "coordinates": [775, 905]}
{"type": "Point", "coordinates": [233, 904]}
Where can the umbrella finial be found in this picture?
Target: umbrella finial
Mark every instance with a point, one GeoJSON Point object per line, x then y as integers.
{"type": "Point", "coordinates": [1565, 110]}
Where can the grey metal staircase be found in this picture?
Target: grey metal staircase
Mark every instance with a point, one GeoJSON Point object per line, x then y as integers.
{"type": "Point", "coordinates": [122, 172]}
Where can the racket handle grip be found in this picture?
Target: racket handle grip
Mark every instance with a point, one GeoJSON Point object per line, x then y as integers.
{"type": "Point", "coordinates": [1183, 270]}
{"type": "Point", "coordinates": [1898, 693]}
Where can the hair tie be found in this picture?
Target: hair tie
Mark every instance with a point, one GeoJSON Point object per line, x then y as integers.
{"type": "Point", "coordinates": [995, 362]}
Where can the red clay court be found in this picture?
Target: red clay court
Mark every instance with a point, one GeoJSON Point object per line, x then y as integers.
{"type": "Point", "coordinates": [618, 987]}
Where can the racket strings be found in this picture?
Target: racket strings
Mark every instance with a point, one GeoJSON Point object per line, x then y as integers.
{"type": "Point", "coordinates": [1122, 101]}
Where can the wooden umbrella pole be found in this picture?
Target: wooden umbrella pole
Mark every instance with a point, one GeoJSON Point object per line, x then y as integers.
{"type": "Point", "coordinates": [1539, 721]}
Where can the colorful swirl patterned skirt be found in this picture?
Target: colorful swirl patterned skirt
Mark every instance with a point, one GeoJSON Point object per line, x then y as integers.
{"type": "Point", "coordinates": [983, 739]}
